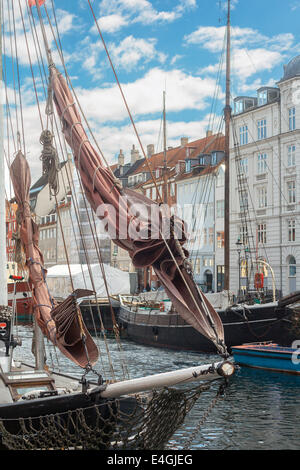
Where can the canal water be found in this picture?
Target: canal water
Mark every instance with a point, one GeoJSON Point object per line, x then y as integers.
{"type": "Point", "coordinates": [259, 411]}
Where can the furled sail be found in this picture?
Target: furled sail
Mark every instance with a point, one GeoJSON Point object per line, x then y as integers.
{"type": "Point", "coordinates": [165, 251]}
{"type": "Point", "coordinates": [62, 324]}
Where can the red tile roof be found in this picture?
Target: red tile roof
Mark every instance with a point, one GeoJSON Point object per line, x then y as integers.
{"type": "Point", "coordinates": [205, 145]}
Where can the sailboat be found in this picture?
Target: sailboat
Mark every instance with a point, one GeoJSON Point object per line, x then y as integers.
{"type": "Point", "coordinates": [159, 324]}
{"type": "Point", "coordinates": [41, 408]}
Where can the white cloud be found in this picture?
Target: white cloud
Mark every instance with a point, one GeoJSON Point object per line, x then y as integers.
{"type": "Point", "coordinates": [295, 5]}
{"type": "Point", "coordinates": [111, 23]}
{"type": "Point", "coordinates": [252, 52]}
{"type": "Point", "coordinates": [65, 25]}
{"type": "Point", "coordinates": [140, 11]}
{"type": "Point", "coordinates": [144, 96]}
{"type": "Point", "coordinates": [129, 52]}
{"type": "Point", "coordinates": [224, 4]}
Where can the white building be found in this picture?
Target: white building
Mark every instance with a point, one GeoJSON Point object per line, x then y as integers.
{"type": "Point", "coordinates": [264, 182]}
{"type": "Point", "coordinates": [200, 197]}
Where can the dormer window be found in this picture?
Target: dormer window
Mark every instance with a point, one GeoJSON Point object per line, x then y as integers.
{"type": "Point", "coordinates": [262, 98]}
{"type": "Point", "coordinates": [267, 95]}
{"type": "Point", "coordinates": [243, 103]}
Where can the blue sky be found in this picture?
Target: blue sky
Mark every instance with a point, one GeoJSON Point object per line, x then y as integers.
{"type": "Point", "coordinates": [174, 45]}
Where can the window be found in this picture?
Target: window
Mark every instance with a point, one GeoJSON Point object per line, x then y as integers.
{"type": "Point", "coordinates": [243, 166]}
{"type": "Point", "coordinates": [172, 189]}
{"type": "Point", "coordinates": [213, 158]}
{"type": "Point", "coordinates": [262, 98]}
{"type": "Point", "coordinates": [262, 233]}
{"type": "Point", "coordinates": [261, 163]}
{"type": "Point", "coordinates": [292, 266]}
{"type": "Point", "coordinates": [244, 268]}
{"type": "Point", "coordinates": [188, 166]}
{"type": "Point", "coordinates": [292, 119]}
{"type": "Point", "coordinates": [291, 155]}
{"type": "Point", "coordinates": [238, 107]}
{"type": "Point", "coordinates": [221, 176]}
{"type": "Point", "coordinates": [211, 236]}
{"type": "Point", "coordinates": [292, 272]}
{"type": "Point", "coordinates": [220, 208]}
{"type": "Point", "coordinates": [220, 239]}
{"type": "Point", "coordinates": [262, 197]}
{"type": "Point", "coordinates": [243, 135]}
{"type": "Point", "coordinates": [205, 236]}
{"type": "Point", "coordinates": [197, 266]}
{"type": "Point", "coordinates": [244, 235]}
{"type": "Point", "coordinates": [220, 278]}
{"type": "Point", "coordinates": [291, 230]}
{"type": "Point", "coordinates": [208, 262]}
{"type": "Point", "coordinates": [291, 192]}
{"type": "Point", "coordinates": [261, 129]}
{"type": "Point", "coordinates": [243, 200]}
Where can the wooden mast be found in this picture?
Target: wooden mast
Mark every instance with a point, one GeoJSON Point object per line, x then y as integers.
{"type": "Point", "coordinates": [165, 168]}
{"type": "Point", "coordinates": [227, 116]}
{"type": "Point", "coordinates": [3, 276]}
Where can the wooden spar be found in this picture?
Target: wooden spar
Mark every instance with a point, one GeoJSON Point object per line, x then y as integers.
{"type": "Point", "coordinates": [169, 379]}
{"type": "Point", "coordinates": [165, 168]}
{"type": "Point", "coordinates": [3, 277]}
{"type": "Point", "coordinates": [227, 115]}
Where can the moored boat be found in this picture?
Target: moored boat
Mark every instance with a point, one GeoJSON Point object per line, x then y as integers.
{"type": "Point", "coordinates": [268, 356]}
{"type": "Point", "coordinates": [157, 326]}
{"type": "Point", "coordinates": [20, 293]}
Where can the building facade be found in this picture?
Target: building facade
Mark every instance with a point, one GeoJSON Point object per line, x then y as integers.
{"type": "Point", "coordinates": [200, 198]}
{"type": "Point", "coordinates": [264, 182]}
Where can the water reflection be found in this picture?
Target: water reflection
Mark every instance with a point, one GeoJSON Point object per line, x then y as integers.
{"type": "Point", "coordinates": [260, 410]}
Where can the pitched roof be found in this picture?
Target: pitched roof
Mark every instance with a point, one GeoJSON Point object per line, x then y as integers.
{"type": "Point", "coordinates": [43, 180]}
{"type": "Point", "coordinates": [174, 155]}
{"type": "Point", "coordinates": [128, 169]}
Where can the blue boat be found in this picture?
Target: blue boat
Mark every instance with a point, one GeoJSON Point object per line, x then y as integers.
{"type": "Point", "coordinates": [269, 356]}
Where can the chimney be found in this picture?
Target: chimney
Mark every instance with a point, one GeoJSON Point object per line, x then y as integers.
{"type": "Point", "coordinates": [134, 155]}
{"type": "Point", "coordinates": [184, 141]}
{"type": "Point", "coordinates": [208, 133]}
{"type": "Point", "coordinates": [150, 150]}
{"type": "Point", "coordinates": [121, 158]}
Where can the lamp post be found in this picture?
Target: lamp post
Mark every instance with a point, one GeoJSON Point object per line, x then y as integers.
{"type": "Point", "coordinates": [239, 249]}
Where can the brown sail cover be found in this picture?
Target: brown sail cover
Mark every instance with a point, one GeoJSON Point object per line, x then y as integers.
{"type": "Point", "coordinates": [69, 338]}
{"type": "Point", "coordinates": [101, 188]}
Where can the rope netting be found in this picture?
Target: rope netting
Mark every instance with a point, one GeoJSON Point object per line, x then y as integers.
{"type": "Point", "coordinates": [144, 423]}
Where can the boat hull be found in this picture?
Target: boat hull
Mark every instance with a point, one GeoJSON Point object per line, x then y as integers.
{"type": "Point", "coordinates": [23, 298]}
{"type": "Point", "coordinates": [67, 411]}
{"type": "Point", "coordinates": [268, 357]}
{"type": "Point", "coordinates": [170, 330]}
{"type": "Point", "coordinates": [91, 313]}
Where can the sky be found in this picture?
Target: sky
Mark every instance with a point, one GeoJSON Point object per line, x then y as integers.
{"type": "Point", "coordinates": [174, 46]}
